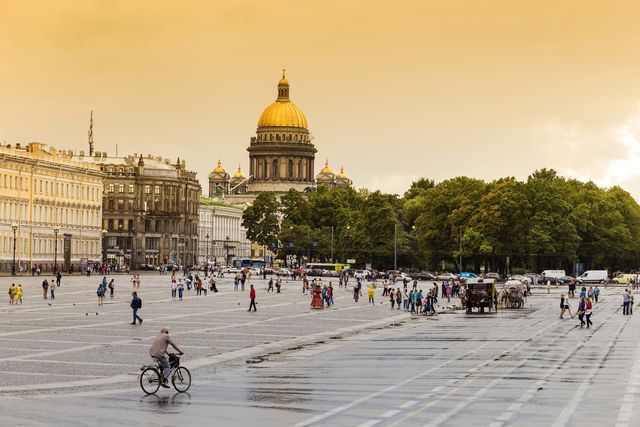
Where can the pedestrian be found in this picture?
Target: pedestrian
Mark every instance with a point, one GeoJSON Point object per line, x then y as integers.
{"type": "Point", "coordinates": [100, 294]}
{"type": "Point", "coordinates": [625, 302]}
{"type": "Point", "coordinates": [392, 298]}
{"type": "Point", "coordinates": [412, 301]}
{"type": "Point", "coordinates": [52, 289]}
{"type": "Point", "coordinates": [180, 289]}
{"type": "Point", "coordinates": [198, 286]}
{"type": "Point", "coordinates": [419, 302]}
{"type": "Point", "coordinates": [252, 296]}
{"type": "Point", "coordinates": [563, 306]}
{"type": "Point", "coordinates": [385, 290]}
{"type": "Point", "coordinates": [270, 288]}
{"type": "Point", "coordinates": [398, 298]}
{"type": "Point", "coordinates": [112, 287]}
{"type": "Point", "coordinates": [581, 311]}
{"type": "Point", "coordinates": [212, 284]}
{"type": "Point", "coordinates": [45, 288]}
{"type": "Point", "coordinates": [371, 292]}
{"type": "Point", "coordinates": [405, 299]}
{"type": "Point", "coordinates": [278, 285]}
{"type": "Point", "coordinates": [174, 289]}
{"type": "Point", "coordinates": [356, 293]}
{"type": "Point", "coordinates": [243, 279]}
{"type": "Point", "coordinates": [58, 278]}
{"type": "Point", "coordinates": [630, 302]}
{"type": "Point", "coordinates": [596, 294]}
{"type": "Point", "coordinates": [330, 292]}
{"type": "Point", "coordinates": [588, 311]}
{"type": "Point", "coordinates": [19, 294]}
{"type": "Point", "coordinates": [12, 293]}
{"type": "Point", "coordinates": [136, 304]}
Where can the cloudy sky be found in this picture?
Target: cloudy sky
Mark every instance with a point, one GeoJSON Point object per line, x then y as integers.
{"type": "Point", "coordinates": [393, 90]}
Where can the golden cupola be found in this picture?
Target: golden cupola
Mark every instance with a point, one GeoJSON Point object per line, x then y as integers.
{"type": "Point", "coordinates": [238, 175]}
{"type": "Point", "coordinates": [283, 112]}
{"type": "Point", "coordinates": [218, 171]}
{"type": "Point", "coordinates": [326, 175]}
{"type": "Point", "coordinates": [342, 180]}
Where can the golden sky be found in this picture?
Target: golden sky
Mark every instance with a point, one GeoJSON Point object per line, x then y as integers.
{"type": "Point", "coordinates": [392, 90]}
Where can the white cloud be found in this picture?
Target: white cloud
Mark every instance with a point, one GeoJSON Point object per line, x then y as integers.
{"type": "Point", "coordinates": [608, 157]}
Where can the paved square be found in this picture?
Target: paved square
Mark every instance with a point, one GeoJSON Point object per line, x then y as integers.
{"type": "Point", "coordinates": [70, 362]}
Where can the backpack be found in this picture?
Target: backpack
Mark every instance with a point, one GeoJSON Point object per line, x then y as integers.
{"type": "Point", "coordinates": [99, 291]}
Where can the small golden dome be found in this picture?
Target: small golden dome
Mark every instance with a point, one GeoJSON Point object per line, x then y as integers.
{"type": "Point", "coordinates": [239, 174]}
{"type": "Point", "coordinates": [219, 168]}
{"type": "Point", "coordinates": [326, 170]}
{"type": "Point", "coordinates": [342, 175]}
{"type": "Point", "coordinates": [283, 112]}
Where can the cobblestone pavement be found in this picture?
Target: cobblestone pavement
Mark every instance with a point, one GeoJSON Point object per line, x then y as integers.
{"type": "Point", "coordinates": [352, 365]}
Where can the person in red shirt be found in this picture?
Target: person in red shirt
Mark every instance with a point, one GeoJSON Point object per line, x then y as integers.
{"type": "Point", "coordinates": [252, 295]}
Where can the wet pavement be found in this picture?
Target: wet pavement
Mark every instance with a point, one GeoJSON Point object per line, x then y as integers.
{"type": "Point", "coordinates": [352, 365]}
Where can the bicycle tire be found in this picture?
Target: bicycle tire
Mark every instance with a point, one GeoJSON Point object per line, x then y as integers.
{"type": "Point", "coordinates": [150, 380]}
{"type": "Point", "coordinates": [181, 379]}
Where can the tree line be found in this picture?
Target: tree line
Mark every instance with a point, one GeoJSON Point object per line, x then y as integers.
{"type": "Point", "coordinates": [544, 222]}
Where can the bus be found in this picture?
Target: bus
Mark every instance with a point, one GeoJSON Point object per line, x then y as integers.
{"type": "Point", "coordinates": [248, 263]}
{"type": "Point", "coordinates": [326, 266]}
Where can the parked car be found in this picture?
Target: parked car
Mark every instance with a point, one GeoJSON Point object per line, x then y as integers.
{"type": "Point", "coordinates": [283, 272]}
{"type": "Point", "coordinates": [447, 276]}
{"type": "Point", "coordinates": [468, 275]}
{"type": "Point", "coordinates": [361, 274]}
{"type": "Point", "coordinates": [424, 275]}
{"type": "Point", "coordinates": [494, 276]}
{"type": "Point", "coordinates": [566, 280]}
{"type": "Point", "coordinates": [330, 273]}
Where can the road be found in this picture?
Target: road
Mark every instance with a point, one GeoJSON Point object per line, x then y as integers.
{"type": "Point", "coordinates": [352, 365]}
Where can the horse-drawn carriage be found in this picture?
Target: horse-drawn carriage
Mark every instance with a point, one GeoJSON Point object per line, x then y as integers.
{"type": "Point", "coordinates": [513, 294]}
{"type": "Point", "coordinates": [480, 294]}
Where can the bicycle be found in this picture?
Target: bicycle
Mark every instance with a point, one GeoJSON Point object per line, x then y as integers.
{"type": "Point", "coordinates": [151, 376]}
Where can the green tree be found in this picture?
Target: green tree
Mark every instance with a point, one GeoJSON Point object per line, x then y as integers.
{"type": "Point", "coordinates": [261, 220]}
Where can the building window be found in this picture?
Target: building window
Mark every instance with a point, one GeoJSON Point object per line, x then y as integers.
{"type": "Point", "coordinates": [121, 188]}
{"type": "Point", "coordinates": [290, 169]}
{"type": "Point", "coordinates": [110, 188]}
{"type": "Point", "coordinates": [156, 189]}
{"type": "Point", "coordinates": [131, 188]}
{"type": "Point", "coordinates": [147, 189]}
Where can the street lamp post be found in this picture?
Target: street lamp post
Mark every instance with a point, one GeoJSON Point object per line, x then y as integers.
{"type": "Point", "coordinates": [332, 243]}
{"type": "Point", "coordinates": [206, 261]}
{"type": "Point", "coordinates": [226, 246]}
{"type": "Point", "coordinates": [104, 248]}
{"type": "Point", "coordinates": [13, 265]}
{"type": "Point", "coordinates": [56, 230]}
{"type": "Point", "coordinates": [395, 246]}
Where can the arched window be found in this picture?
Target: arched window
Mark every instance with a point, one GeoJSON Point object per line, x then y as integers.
{"type": "Point", "coordinates": [274, 169]}
{"type": "Point", "coordinates": [290, 169]}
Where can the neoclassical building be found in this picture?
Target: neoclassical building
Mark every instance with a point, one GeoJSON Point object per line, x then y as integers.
{"type": "Point", "coordinates": [50, 209]}
{"type": "Point", "coordinates": [281, 156]}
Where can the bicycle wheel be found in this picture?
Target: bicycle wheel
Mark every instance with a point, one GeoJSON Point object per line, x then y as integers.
{"type": "Point", "coordinates": [150, 380]}
{"type": "Point", "coordinates": [181, 379]}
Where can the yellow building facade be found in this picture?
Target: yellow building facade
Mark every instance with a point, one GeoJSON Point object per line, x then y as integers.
{"type": "Point", "coordinates": [50, 209]}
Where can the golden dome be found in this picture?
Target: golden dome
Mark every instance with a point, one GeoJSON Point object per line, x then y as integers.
{"type": "Point", "coordinates": [239, 174]}
{"type": "Point", "coordinates": [326, 170]}
{"type": "Point", "coordinates": [342, 175]}
{"type": "Point", "coordinates": [283, 112]}
{"type": "Point", "coordinates": [219, 168]}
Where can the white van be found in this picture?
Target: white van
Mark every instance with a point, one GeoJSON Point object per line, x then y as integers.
{"type": "Point", "coordinates": [552, 275]}
{"type": "Point", "coordinates": [593, 276]}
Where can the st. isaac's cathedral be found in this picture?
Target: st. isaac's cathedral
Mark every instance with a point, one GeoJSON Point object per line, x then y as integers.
{"type": "Point", "coordinates": [281, 157]}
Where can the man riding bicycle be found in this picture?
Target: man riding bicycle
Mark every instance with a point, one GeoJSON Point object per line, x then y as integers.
{"type": "Point", "coordinates": [158, 351]}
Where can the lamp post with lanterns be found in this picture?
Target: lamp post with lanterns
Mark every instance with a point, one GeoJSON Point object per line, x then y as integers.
{"type": "Point", "coordinates": [104, 248]}
{"type": "Point", "coordinates": [56, 230]}
{"type": "Point", "coordinates": [14, 227]}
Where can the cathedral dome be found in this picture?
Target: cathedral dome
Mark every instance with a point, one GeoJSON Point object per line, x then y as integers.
{"type": "Point", "coordinates": [283, 112]}
{"type": "Point", "coordinates": [218, 171]}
